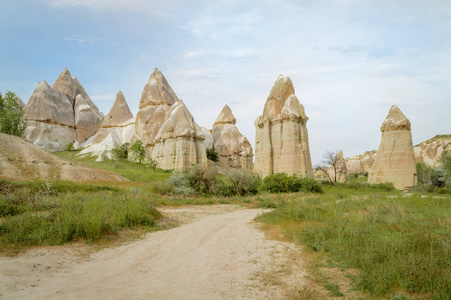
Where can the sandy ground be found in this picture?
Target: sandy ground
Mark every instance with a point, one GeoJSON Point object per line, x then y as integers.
{"type": "Point", "coordinates": [217, 254]}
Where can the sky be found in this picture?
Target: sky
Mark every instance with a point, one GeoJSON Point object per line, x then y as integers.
{"type": "Point", "coordinates": [349, 60]}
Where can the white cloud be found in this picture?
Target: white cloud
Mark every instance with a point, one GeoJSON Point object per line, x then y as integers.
{"type": "Point", "coordinates": [83, 39]}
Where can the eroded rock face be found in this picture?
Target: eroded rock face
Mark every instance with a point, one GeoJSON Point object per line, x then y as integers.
{"type": "Point", "coordinates": [50, 118]}
{"type": "Point", "coordinates": [179, 143]}
{"type": "Point", "coordinates": [118, 128]}
{"type": "Point", "coordinates": [60, 114]}
{"type": "Point", "coordinates": [233, 148]}
{"type": "Point", "coordinates": [281, 134]}
{"type": "Point", "coordinates": [395, 159]}
{"type": "Point", "coordinates": [360, 164]}
{"type": "Point", "coordinates": [430, 151]}
{"type": "Point", "coordinates": [156, 101]}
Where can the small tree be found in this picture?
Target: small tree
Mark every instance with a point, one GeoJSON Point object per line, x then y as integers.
{"type": "Point", "coordinates": [212, 155]}
{"type": "Point", "coordinates": [11, 114]}
{"type": "Point", "coordinates": [120, 152]}
{"type": "Point", "coordinates": [330, 165]}
{"type": "Point", "coordinates": [137, 151]}
{"type": "Point", "coordinates": [153, 165]}
{"type": "Point", "coordinates": [70, 147]}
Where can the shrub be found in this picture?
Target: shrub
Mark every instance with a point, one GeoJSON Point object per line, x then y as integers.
{"type": "Point", "coordinates": [120, 152]}
{"type": "Point", "coordinates": [241, 182]}
{"type": "Point", "coordinates": [282, 183]}
{"type": "Point", "coordinates": [212, 155]}
{"type": "Point", "coordinates": [70, 147]}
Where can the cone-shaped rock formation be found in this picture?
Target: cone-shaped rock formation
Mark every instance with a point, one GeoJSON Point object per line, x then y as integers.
{"type": "Point", "coordinates": [60, 114]}
{"type": "Point", "coordinates": [117, 128]}
{"type": "Point", "coordinates": [395, 159]}
{"type": "Point", "coordinates": [179, 143]}
{"type": "Point", "coordinates": [281, 134]}
{"type": "Point", "coordinates": [233, 148]}
{"type": "Point", "coordinates": [156, 100]}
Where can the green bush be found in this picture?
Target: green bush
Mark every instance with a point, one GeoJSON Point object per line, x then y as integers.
{"type": "Point", "coordinates": [120, 152]}
{"type": "Point", "coordinates": [11, 114]}
{"type": "Point", "coordinates": [282, 183]}
{"type": "Point", "coordinates": [137, 151]}
{"type": "Point", "coordinates": [70, 147]}
{"type": "Point", "coordinates": [212, 155]}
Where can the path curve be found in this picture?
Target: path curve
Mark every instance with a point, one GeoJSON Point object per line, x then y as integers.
{"type": "Point", "coordinates": [214, 257]}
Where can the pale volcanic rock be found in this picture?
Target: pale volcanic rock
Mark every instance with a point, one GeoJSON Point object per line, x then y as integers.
{"type": "Point", "coordinates": [360, 164]}
{"type": "Point", "coordinates": [233, 148]}
{"type": "Point", "coordinates": [156, 100]}
{"type": "Point", "coordinates": [179, 143]}
{"type": "Point", "coordinates": [340, 168]}
{"type": "Point", "coordinates": [281, 134]}
{"type": "Point", "coordinates": [50, 118]}
{"type": "Point", "coordinates": [430, 151]}
{"type": "Point", "coordinates": [395, 160]}
{"type": "Point", "coordinates": [208, 142]}
{"type": "Point", "coordinates": [62, 114]}
{"type": "Point", "coordinates": [117, 128]}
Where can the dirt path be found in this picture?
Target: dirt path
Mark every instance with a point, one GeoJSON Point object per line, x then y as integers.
{"type": "Point", "coordinates": [218, 254]}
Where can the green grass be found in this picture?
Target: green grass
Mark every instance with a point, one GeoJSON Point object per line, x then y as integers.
{"type": "Point", "coordinates": [396, 242]}
{"type": "Point", "coordinates": [334, 289]}
{"type": "Point", "coordinates": [130, 170]}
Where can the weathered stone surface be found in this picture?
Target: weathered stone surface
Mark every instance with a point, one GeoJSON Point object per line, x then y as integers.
{"type": "Point", "coordinates": [395, 160]}
{"type": "Point", "coordinates": [118, 128]}
{"type": "Point", "coordinates": [208, 142]}
{"type": "Point", "coordinates": [179, 143]}
{"type": "Point", "coordinates": [233, 148]}
{"type": "Point", "coordinates": [156, 100]}
{"type": "Point", "coordinates": [340, 172]}
{"type": "Point", "coordinates": [50, 118]}
{"type": "Point", "coordinates": [360, 164]}
{"type": "Point", "coordinates": [430, 151]}
{"type": "Point", "coordinates": [67, 105]}
{"type": "Point", "coordinates": [281, 134]}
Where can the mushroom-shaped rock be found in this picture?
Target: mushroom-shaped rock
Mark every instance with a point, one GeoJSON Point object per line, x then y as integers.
{"type": "Point", "coordinates": [395, 160]}
{"type": "Point", "coordinates": [281, 140]}
{"type": "Point", "coordinates": [179, 142]}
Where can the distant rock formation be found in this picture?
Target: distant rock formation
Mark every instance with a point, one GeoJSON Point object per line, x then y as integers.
{"type": "Point", "coordinates": [395, 160]}
{"type": "Point", "coordinates": [360, 164]}
{"type": "Point", "coordinates": [281, 134]}
{"type": "Point", "coordinates": [340, 168]}
{"type": "Point", "coordinates": [233, 148]}
{"type": "Point", "coordinates": [60, 114]}
{"type": "Point", "coordinates": [179, 143]}
{"type": "Point", "coordinates": [208, 142]}
{"type": "Point", "coordinates": [430, 151]}
{"type": "Point", "coordinates": [156, 100]}
{"type": "Point", "coordinates": [118, 128]}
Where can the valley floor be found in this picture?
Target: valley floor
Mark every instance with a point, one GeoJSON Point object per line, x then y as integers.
{"type": "Point", "coordinates": [217, 254]}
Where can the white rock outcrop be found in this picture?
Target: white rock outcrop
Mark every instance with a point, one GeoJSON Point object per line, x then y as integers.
{"type": "Point", "coordinates": [233, 148]}
{"type": "Point", "coordinates": [281, 134]}
{"type": "Point", "coordinates": [179, 143]}
{"type": "Point", "coordinates": [395, 160]}
{"type": "Point", "coordinates": [118, 128]}
{"type": "Point", "coordinates": [430, 151]}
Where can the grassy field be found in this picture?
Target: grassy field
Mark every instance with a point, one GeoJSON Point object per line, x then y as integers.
{"type": "Point", "coordinates": [399, 244]}
{"type": "Point", "coordinates": [130, 170]}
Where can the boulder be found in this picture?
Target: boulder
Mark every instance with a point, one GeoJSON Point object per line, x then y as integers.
{"type": "Point", "coordinates": [179, 143]}
{"type": "Point", "coordinates": [395, 160]}
{"type": "Point", "coordinates": [281, 134]}
{"type": "Point", "coordinates": [117, 128]}
{"type": "Point", "coordinates": [233, 148]}
{"type": "Point", "coordinates": [156, 100]}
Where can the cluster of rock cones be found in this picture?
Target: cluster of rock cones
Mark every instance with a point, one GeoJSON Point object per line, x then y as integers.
{"type": "Point", "coordinates": [63, 113]}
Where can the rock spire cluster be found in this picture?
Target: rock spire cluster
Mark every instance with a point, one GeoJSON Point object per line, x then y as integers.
{"type": "Point", "coordinates": [281, 139]}
{"type": "Point", "coordinates": [395, 160]}
{"type": "Point", "coordinates": [60, 114]}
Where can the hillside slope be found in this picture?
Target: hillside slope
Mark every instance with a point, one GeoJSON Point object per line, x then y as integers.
{"type": "Point", "coordinates": [24, 161]}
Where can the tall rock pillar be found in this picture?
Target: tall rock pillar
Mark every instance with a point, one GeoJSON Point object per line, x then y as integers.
{"type": "Point", "coordinates": [395, 161]}
{"type": "Point", "coordinates": [281, 139]}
